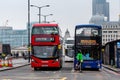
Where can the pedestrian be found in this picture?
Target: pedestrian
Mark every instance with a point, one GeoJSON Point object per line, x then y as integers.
{"type": "Point", "coordinates": [3, 56]}
{"type": "Point", "coordinates": [23, 54]}
{"type": "Point", "coordinates": [79, 58]}
{"type": "Point", "coordinates": [0, 55]}
{"type": "Point", "coordinates": [17, 55]}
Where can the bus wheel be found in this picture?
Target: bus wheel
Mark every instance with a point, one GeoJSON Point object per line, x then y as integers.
{"type": "Point", "coordinates": [35, 69]}
{"type": "Point", "coordinates": [97, 69]}
{"type": "Point", "coordinates": [60, 66]}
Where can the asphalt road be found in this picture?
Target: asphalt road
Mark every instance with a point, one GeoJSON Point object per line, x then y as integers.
{"type": "Point", "coordinates": [66, 73]}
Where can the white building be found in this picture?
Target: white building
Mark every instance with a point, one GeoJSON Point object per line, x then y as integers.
{"type": "Point", "coordinates": [67, 34]}
{"type": "Point", "coordinates": [110, 31]}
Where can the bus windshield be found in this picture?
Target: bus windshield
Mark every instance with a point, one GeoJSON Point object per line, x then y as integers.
{"type": "Point", "coordinates": [45, 51]}
{"type": "Point", "coordinates": [69, 41]}
{"type": "Point", "coordinates": [91, 54]}
{"type": "Point", "coordinates": [69, 53]}
{"type": "Point", "coordinates": [45, 30]}
{"type": "Point", "coordinates": [87, 32]}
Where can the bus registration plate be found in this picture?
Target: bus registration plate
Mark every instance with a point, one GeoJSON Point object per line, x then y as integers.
{"type": "Point", "coordinates": [44, 65]}
{"type": "Point", "coordinates": [87, 66]}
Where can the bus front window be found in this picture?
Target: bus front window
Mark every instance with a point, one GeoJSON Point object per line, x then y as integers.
{"type": "Point", "coordinates": [91, 55]}
{"type": "Point", "coordinates": [69, 41]}
{"type": "Point", "coordinates": [45, 51]}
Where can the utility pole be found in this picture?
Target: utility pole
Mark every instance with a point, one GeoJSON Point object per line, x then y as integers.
{"type": "Point", "coordinates": [6, 23]}
{"type": "Point", "coordinates": [39, 8]}
{"type": "Point", "coordinates": [29, 30]}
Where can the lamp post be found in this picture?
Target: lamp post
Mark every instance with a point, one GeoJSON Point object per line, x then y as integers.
{"type": "Point", "coordinates": [46, 16]}
{"type": "Point", "coordinates": [29, 30]}
{"type": "Point", "coordinates": [50, 21]}
{"type": "Point", "coordinates": [40, 10]}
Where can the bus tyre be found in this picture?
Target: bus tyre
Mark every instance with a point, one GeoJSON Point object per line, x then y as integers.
{"type": "Point", "coordinates": [35, 69]}
{"type": "Point", "coordinates": [97, 69]}
{"type": "Point", "coordinates": [60, 66]}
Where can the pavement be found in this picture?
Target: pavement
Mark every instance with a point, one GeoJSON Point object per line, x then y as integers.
{"type": "Point", "coordinates": [19, 62]}
{"type": "Point", "coordinates": [112, 68]}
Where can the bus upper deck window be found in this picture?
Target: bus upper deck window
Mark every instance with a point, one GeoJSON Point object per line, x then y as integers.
{"type": "Point", "coordinates": [94, 32]}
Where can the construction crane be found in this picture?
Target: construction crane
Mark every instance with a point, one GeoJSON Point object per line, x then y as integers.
{"type": "Point", "coordinates": [6, 23]}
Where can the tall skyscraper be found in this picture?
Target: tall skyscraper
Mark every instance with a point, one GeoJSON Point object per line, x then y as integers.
{"type": "Point", "coordinates": [100, 7]}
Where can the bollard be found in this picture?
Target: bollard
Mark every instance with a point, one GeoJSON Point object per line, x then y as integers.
{"type": "Point", "coordinates": [6, 63]}
{"type": "Point", "coordinates": [3, 63]}
{"type": "Point", "coordinates": [10, 62]}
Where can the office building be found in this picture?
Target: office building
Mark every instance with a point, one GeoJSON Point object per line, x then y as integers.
{"type": "Point", "coordinates": [110, 31]}
{"type": "Point", "coordinates": [15, 38]}
{"type": "Point", "coordinates": [97, 19]}
{"type": "Point", "coordinates": [100, 7]}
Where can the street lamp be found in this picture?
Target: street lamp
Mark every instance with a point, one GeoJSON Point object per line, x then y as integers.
{"type": "Point", "coordinates": [46, 16]}
{"type": "Point", "coordinates": [50, 21]}
{"type": "Point", "coordinates": [29, 30]}
{"type": "Point", "coordinates": [39, 10]}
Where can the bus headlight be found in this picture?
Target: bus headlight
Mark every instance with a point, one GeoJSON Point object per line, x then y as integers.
{"type": "Point", "coordinates": [98, 65]}
{"type": "Point", "coordinates": [56, 59]}
{"type": "Point", "coordinates": [59, 46]}
{"type": "Point", "coordinates": [32, 60]}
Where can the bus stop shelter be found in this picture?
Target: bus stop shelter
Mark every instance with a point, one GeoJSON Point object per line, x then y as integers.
{"type": "Point", "coordinates": [111, 53]}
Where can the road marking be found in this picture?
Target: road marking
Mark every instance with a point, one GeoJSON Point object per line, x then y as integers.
{"type": "Point", "coordinates": [48, 78]}
{"type": "Point", "coordinates": [64, 78]}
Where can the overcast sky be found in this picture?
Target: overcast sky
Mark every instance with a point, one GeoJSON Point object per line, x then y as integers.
{"type": "Point", "coordinates": [67, 13]}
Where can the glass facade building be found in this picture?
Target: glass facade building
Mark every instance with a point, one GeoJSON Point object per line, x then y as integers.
{"type": "Point", "coordinates": [15, 38]}
{"type": "Point", "coordinates": [100, 7]}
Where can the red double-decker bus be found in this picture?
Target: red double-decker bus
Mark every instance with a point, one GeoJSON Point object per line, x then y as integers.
{"type": "Point", "coordinates": [46, 46]}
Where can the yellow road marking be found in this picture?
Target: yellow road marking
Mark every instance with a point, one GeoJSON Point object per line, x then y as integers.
{"type": "Point", "coordinates": [64, 78]}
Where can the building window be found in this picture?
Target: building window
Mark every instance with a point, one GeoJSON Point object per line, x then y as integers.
{"type": "Point", "coordinates": [106, 40]}
{"type": "Point", "coordinates": [116, 35]}
{"type": "Point", "coordinates": [115, 31]}
{"type": "Point", "coordinates": [104, 31]}
{"type": "Point", "coordinates": [113, 35]}
{"type": "Point", "coordinates": [109, 31]}
{"type": "Point", "coordinates": [103, 39]}
{"type": "Point", "coordinates": [111, 26]}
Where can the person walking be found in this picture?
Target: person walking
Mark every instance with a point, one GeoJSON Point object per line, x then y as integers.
{"type": "Point", "coordinates": [3, 56]}
{"type": "Point", "coordinates": [79, 58]}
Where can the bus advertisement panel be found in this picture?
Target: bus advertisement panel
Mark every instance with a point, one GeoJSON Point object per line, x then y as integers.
{"type": "Point", "coordinates": [46, 46]}
{"type": "Point", "coordinates": [88, 39]}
